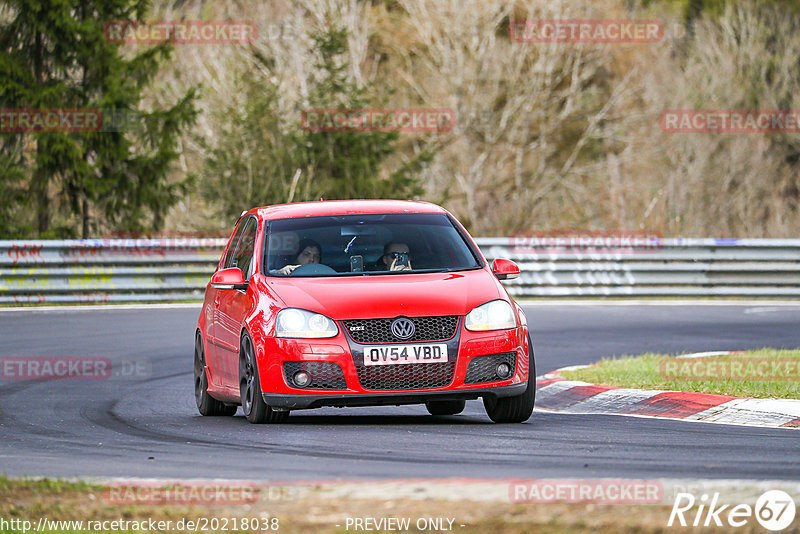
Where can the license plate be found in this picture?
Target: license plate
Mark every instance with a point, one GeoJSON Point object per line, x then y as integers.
{"type": "Point", "coordinates": [401, 354]}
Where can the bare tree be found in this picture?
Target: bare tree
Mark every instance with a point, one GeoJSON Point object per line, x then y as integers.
{"type": "Point", "coordinates": [547, 135]}
{"type": "Point", "coordinates": [729, 184]}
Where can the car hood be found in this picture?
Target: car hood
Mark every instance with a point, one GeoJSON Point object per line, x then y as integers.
{"type": "Point", "coordinates": [361, 297]}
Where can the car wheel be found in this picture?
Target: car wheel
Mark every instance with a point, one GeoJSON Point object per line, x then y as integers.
{"type": "Point", "coordinates": [516, 409]}
{"type": "Point", "coordinates": [206, 404]}
{"type": "Point", "coordinates": [253, 405]}
{"type": "Point", "coordinates": [446, 407]}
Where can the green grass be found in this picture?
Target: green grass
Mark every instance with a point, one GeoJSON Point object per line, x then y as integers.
{"type": "Point", "coordinates": [48, 485]}
{"type": "Point", "coordinates": [652, 371]}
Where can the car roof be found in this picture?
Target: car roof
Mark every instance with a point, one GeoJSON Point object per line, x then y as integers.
{"type": "Point", "coordinates": [345, 207]}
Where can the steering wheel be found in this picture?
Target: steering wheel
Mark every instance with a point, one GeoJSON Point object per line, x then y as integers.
{"type": "Point", "coordinates": [311, 269]}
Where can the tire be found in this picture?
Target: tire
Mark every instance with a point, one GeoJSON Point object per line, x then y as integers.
{"type": "Point", "coordinates": [516, 409]}
{"type": "Point", "coordinates": [445, 407]}
{"type": "Point", "coordinates": [253, 405]}
{"type": "Point", "coordinates": [206, 404]}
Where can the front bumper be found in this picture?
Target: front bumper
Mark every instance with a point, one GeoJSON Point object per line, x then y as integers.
{"type": "Point", "coordinates": [394, 398]}
{"type": "Point", "coordinates": [349, 389]}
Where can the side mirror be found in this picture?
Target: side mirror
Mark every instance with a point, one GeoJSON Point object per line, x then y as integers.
{"type": "Point", "coordinates": [505, 269]}
{"type": "Point", "coordinates": [232, 278]}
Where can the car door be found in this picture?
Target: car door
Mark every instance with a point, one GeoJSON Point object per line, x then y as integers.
{"type": "Point", "coordinates": [212, 354]}
{"type": "Point", "coordinates": [232, 306]}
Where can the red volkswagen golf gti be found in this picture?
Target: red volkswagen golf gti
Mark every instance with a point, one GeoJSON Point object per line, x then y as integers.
{"type": "Point", "coordinates": [359, 303]}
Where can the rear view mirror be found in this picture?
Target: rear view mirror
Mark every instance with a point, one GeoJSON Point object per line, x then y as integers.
{"type": "Point", "coordinates": [231, 278]}
{"type": "Point", "coordinates": [358, 230]}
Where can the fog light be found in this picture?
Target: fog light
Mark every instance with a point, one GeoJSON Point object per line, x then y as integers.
{"type": "Point", "coordinates": [503, 370]}
{"type": "Point", "coordinates": [301, 378]}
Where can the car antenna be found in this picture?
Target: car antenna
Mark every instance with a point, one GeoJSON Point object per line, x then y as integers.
{"type": "Point", "coordinates": [240, 216]}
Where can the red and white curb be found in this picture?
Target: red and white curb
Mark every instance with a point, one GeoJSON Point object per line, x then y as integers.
{"type": "Point", "coordinates": [556, 393]}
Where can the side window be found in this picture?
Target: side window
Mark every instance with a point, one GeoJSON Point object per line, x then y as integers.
{"type": "Point", "coordinates": [243, 256]}
{"type": "Point", "coordinates": [228, 263]}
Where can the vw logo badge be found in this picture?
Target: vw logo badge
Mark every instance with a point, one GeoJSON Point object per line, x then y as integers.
{"type": "Point", "coordinates": [403, 328]}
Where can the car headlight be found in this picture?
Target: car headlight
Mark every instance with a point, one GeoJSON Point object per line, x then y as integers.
{"type": "Point", "coordinates": [494, 315]}
{"type": "Point", "coordinates": [292, 322]}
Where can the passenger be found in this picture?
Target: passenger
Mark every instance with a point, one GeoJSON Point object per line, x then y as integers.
{"type": "Point", "coordinates": [395, 257]}
{"type": "Point", "coordinates": [309, 252]}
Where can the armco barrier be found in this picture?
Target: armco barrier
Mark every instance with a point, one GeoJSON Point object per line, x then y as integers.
{"type": "Point", "coordinates": [129, 270]}
{"type": "Point", "coordinates": [670, 268]}
{"type": "Point", "coordinates": [106, 270]}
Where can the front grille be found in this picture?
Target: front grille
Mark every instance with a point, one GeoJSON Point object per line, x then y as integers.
{"type": "Point", "coordinates": [380, 330]}
{"type": "Point", "coordinates": [482, 368]}
{"type": "Point", "coordinates": [406, 376]}
{"type": "Point", "coordinates": [324, 375]}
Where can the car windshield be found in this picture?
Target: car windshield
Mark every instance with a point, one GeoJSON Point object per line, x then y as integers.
{"type": "Point", "coordinates": [374, 244]}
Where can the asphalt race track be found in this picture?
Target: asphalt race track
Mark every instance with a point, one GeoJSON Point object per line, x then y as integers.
{"type": "Point", "coordinates": [147, 425]}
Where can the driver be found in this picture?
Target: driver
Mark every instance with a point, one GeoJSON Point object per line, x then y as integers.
{"type": "Point", "coordinates": [391, 255]}
{"type": "Point", "coordinates": [309, 251]}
